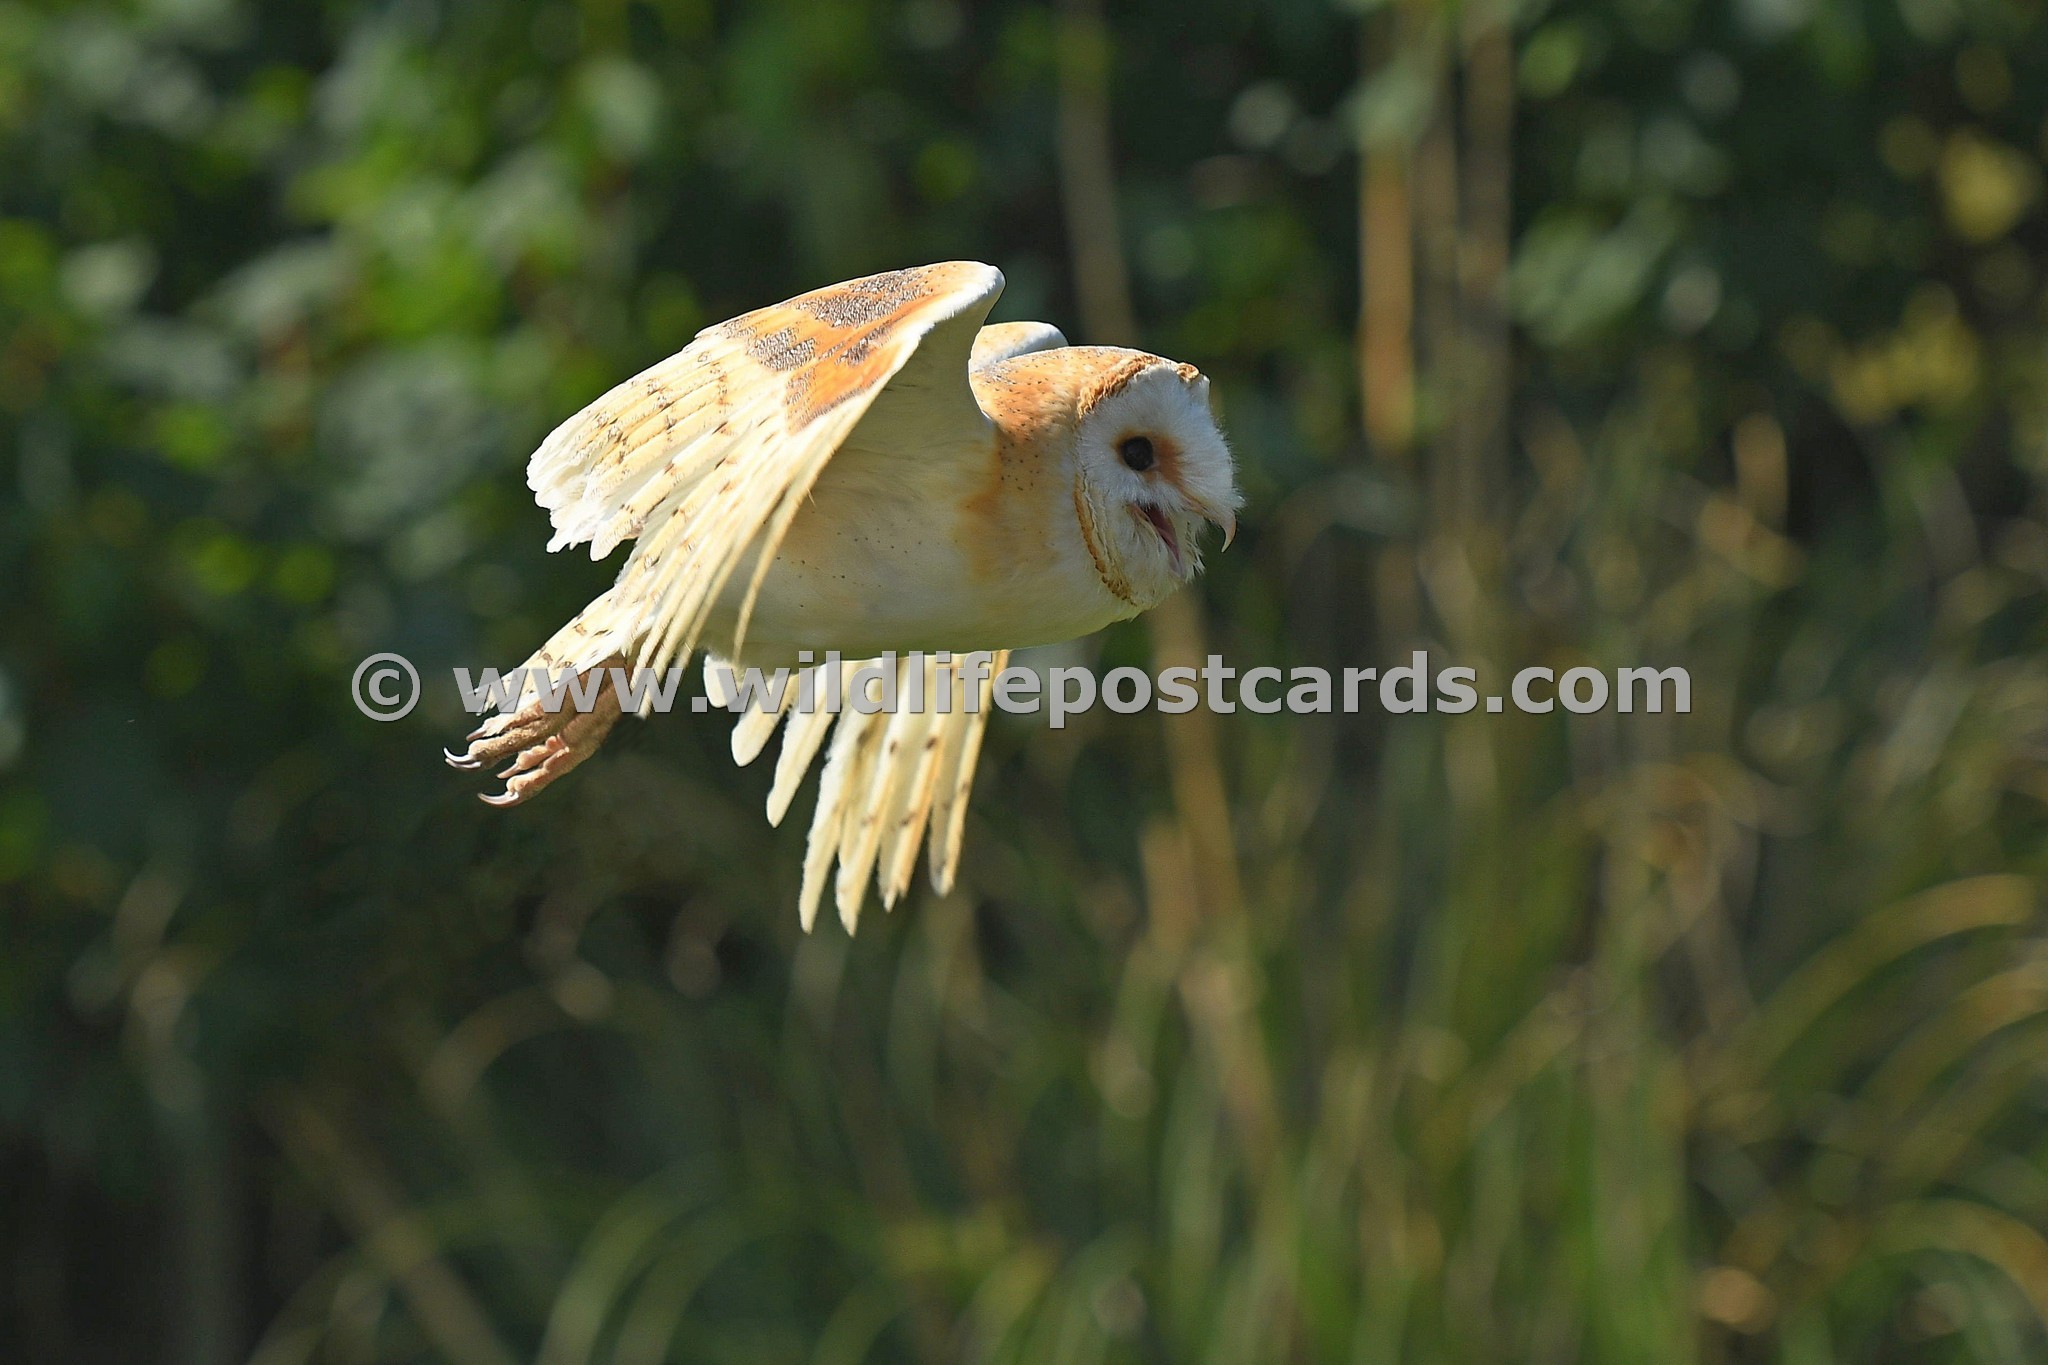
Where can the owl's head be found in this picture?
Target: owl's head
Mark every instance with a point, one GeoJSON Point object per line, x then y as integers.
{"type": "Point", "coordinates": [1151, 469]}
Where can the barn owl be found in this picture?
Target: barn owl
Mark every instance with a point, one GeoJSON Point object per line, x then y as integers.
{"type": "Point", "coordinates": [865, 469]}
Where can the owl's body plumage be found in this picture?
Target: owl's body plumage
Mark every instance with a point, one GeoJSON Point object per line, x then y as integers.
{"type": "Point", "coordinates": [867, 469]}
{"type": "Point", "coordinates": [921, 535]}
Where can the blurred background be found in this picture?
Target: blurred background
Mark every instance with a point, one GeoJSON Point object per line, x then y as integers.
{"type": "Point", "coordinates": [1600, 332]}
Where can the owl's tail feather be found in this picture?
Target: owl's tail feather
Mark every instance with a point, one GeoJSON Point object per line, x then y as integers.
{"type": "Point", "coordinates": [565, 706]}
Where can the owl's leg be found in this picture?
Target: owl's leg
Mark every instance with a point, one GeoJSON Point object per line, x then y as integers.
{"type": "Point", "coordinates": [544, 744]}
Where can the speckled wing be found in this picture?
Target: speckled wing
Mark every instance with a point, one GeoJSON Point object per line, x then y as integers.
{"type": "Point", "coordinates": [706, 457]}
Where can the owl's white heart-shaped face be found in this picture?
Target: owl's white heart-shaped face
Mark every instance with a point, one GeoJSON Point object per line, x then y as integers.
{"type": "Point", "coordinates": [1151, 468]}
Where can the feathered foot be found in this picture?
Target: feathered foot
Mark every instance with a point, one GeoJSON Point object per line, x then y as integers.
{"type": "Point", "coordinates": [542, 744]}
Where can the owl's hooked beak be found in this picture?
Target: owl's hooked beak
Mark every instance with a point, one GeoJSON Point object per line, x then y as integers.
{"type": "Point", "coordinates": [1221, 516]}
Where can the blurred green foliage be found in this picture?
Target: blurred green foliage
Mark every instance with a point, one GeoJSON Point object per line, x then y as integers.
{"type": "Point", "coordinates": [1561, 1038]}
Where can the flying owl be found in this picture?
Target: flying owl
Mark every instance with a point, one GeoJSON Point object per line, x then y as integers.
{"type": "Point", "coordinates": [866, 469]}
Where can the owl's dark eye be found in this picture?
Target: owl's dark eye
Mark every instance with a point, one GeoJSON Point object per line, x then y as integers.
{"type": "Point", "coordinates": [1136, 452]}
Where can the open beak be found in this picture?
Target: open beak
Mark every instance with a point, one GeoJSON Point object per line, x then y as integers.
{"type": "Point", "coordinates": [1162, 524]}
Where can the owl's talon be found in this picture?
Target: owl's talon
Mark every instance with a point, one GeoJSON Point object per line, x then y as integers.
{"type": "Point", "coordinates": [541, 744]}
{"type": "Point", "coordinates": [535, 756]}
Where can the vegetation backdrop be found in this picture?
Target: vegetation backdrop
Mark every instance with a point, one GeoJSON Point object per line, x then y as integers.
{"type": "Point", "coordinates": [1588, 331]}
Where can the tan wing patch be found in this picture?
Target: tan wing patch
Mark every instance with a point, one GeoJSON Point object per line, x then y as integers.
{"type": "Point", "coordinates": [836, 346]}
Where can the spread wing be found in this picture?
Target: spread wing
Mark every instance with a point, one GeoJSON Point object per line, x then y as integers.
{"type": "Point", "coordinates": [707, 457]}
{"type": "Point", "coordinates": [704, 460]}
{"type": "Point", "coordinates": [888, 778]}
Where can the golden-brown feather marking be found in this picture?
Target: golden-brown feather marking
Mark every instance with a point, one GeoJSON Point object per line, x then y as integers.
{"type": "Point", "coordinates": [1107, 384]}
{"type": "Point", "coordinates": [834, 344]}
{"type": "Point", "coordinates": [1002, 523]}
